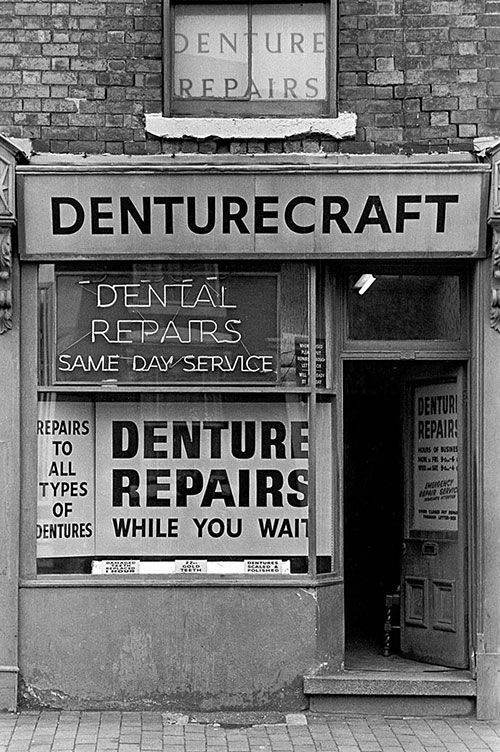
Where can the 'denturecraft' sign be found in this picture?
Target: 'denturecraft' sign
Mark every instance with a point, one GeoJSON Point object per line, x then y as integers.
{"type": "Point", "coordinates": [401, 212]}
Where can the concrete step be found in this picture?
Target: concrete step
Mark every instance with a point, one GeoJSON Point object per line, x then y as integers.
{"type": "Point", "coordinates": [444, 692]}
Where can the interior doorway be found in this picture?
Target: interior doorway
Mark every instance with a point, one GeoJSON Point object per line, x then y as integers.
{"type": "Point", "coordinates": [373, 498]}
{"type": "Point", "coordinates": [404, 510]}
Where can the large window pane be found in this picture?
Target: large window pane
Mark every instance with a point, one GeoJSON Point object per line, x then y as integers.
{"type": "Point", "coordinates": [209, 480]}
{"type": "Point", "coordinates": [181, 324]}
{"type": "Point", "coordinates": [261, 52]}
{"type": "Point", "coordinates": [218, 481]}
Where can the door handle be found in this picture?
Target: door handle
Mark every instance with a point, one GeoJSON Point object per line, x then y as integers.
{"type": "Point", "coordinates": [430, 549]}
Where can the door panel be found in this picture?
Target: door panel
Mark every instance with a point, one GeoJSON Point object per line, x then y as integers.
{"type": "Point", "coordinates": [433, 582]}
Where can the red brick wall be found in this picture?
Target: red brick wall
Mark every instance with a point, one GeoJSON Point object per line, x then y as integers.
{"type": "Point", "coordinates": [422, 75]}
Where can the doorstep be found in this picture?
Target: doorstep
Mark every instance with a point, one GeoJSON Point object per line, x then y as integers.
{"type": "Point", "coordinates": [435, 692]}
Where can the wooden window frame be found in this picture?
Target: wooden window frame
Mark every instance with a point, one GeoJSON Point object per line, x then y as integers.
{"type": "Point", "coordinates": [409, 349]}
{"type": "Point", "coordinates": [223, 108]}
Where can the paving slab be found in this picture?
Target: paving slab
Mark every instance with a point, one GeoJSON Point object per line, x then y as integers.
{"type": "Point", "coordinates": [113, 731]}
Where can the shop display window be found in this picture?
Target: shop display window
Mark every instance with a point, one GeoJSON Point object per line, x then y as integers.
{"type": "Point", "coordinates": [177, 428]}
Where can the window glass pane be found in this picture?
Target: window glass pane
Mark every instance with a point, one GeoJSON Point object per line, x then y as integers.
{"type": "Point", "coordinates": [211, 51]}
{"type": "Point", "coordinates": [287, 57]}
{"type": "Point", "coordinates": [289, 52]}
{"type": "Point", "coordinates": [436, 437]}
{"type": "Point", "coordinates": [179, 324]}
{"type": "Point", "coordinates": [294, 325]}
{"type": "Point", "coordinates": [173, 483]}
{"type": "Point", "coordinates": [390, 307]}
{"type": "Point", "coordinates": [46, 304]}
{"type": "Point", "coordinates": [163, 482]}
{"type": "Point", "coordinates": [326, 506]}
{"type": "Point", "coordinates": [324, 328]}
{"type": "Point", "coordinates": [184, 324]}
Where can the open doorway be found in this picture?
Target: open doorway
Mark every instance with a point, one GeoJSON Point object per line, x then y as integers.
{"type": "Point", "coordinates": [405, 504]}
{"type": "Point", "coordinates": [373, 498]}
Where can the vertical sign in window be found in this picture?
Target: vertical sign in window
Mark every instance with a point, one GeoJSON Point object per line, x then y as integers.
{"type": "Point", "coordinates": [435, 460]}
{"type": "Point", "coordinates": [65, 525]}
{"type": "Point", "coordinates": [261, 52]}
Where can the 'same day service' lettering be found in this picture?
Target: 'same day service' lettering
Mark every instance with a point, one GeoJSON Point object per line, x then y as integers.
{"type": "Point", "coordinates": [125, 327]}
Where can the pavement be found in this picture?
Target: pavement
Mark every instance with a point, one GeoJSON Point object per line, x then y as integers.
{"type": "Point", "coordinates": [115, 731]}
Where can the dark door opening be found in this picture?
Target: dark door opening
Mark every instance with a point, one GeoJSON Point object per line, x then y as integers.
{"type": "Point", "coordinates": [405, 509]}
{"type": "Point", "coordinates": [373, 498]}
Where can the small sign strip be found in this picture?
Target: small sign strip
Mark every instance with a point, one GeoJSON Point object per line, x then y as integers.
{"type": "Point", "coordinates": [190, 566]}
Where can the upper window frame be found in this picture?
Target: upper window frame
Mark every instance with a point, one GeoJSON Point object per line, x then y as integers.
{"type": "Point", "coordinates": [413, 348]}
{"type": "Point", "coordinates": [247, 109]}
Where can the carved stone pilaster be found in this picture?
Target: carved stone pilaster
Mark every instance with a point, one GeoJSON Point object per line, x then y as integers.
{"type": "Point", "coordinates": [491, 152]}
{"type": "Point", "coordinates": [6, 217]}
{"type": "Point", "coordinates": [6, 190]}
{"type": "Point", "coordinates": [5, 280]}
{"type": "Point", "coordinates": [9, 156]}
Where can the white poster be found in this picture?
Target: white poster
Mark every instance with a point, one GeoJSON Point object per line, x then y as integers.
{"type": "Point", "coordinates": [65, 523]}
{"type": "Point", "coordinates": [437, 433]}
{"type": "Point", "coordinates": [187, 479]}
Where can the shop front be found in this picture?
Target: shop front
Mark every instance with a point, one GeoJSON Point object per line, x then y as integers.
{"type": "Point", "coordinates": [251, 412]}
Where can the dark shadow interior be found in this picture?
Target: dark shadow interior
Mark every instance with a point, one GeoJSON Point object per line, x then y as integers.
{"type": "Point", "coordinates": [373, 505]}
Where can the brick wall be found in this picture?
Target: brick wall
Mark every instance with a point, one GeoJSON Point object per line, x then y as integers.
{"type": "Point", "coordinates": [422, 75]}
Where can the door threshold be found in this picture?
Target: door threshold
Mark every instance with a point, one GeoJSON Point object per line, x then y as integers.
{"type": "Point", "coordinates": [363, 657]}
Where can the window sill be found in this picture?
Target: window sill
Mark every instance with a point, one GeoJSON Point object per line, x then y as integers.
{"type": "Point", "coordinates": [186, 580]}
{"type": "Point", "coordinates": [343, 126]}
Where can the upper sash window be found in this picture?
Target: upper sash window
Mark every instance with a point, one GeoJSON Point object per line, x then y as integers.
{"type": "Point", "coordinates": [248, 59]}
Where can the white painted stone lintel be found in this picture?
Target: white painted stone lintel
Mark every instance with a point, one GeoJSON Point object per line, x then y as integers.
{"type": "Point", "coordinates": [343, 126]}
